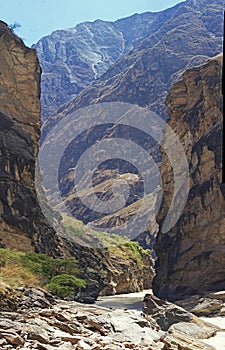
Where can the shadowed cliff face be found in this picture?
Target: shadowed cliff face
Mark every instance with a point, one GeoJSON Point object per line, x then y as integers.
{"type": "Point", "coordinates": [22, 224]}
{"type": "Point", "coordinates": [191, 257]}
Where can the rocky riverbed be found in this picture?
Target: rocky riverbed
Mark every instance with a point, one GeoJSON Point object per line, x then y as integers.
{"type": "Point", "coordinates": [35, 320]}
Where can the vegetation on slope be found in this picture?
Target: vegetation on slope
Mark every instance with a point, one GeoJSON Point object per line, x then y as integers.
{"type": "Point", "coordinates": [39, 270]}
{"type": "Point", "coordinates": [117, 246]}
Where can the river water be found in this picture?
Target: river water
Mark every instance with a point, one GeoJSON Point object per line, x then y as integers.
{"type": "Point", "coordinates": [132, 301]}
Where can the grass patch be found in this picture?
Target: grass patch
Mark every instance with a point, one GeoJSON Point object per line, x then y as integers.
{"type": "Point", "coordinates": [16, 275]}
{"type": "Point", "coordinates": [31, 269]}
{"type": "Point", "coordinates": [77, 231]}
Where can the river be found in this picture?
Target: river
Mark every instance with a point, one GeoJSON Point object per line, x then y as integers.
{"type": "Point", "coordinates": [131, 301]}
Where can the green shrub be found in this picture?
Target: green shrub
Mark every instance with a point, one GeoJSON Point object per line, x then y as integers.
{"type": "Point", "coordinates": [48, 267]}
{"type": "Point", "coordinates": [65, 285]}
{"type": "Point", "coordinates": [57, 275]}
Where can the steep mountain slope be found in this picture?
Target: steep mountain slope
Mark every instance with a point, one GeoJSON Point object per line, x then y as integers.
{"type": "Point", "coordinates": [72, 59]}
{"type": "Point", "coordinates": [145, 75]}
{"type": "Point", "coordinates": [191, 35]}
{"type": "Point", "coordinates": [191, 254]}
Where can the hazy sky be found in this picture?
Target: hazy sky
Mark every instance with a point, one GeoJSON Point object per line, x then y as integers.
{"type": "Point", "coordinates": [40, 17]}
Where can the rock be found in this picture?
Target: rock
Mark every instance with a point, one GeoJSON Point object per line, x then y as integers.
{"type": "Point", "coordinates": [201, 306]}
{"type": "Point", "coordinates": [3, 342]}
{"type": "Point", "coordinates": [100, 329]}
{"type": "Point", "coordinates": [66, 346]}
{"type": "Point", "coordinates": [67, 327]}
{"type": "Point", "coordinates": [45, 347]}
{"type": "Point", "coordinates": [37, 333]}
{"type": "Point", "coordinates": [124, 326]}
{"type": "Point", "coordinates": [164, 313]}
{"type": "Point", "coordinates": [11, 337]}
{"type": "Point", "coordinates": [88, 296]}
{"type": "Point", "coordinates": [82, 345]}
{"type": "Point", "coordinates": [217, 295]}
{"type": "Point", "coordinates": [191, 258]}
{"type": "Point", "coordinates": [133, 75]}
{"type": "Point", "coordinates": [200, 330]}
{"type": "Point", "coordinates": [179, 341]}
{"type": "Point", "coordinates": [6, 324]}
{"type": "Point", "coordinates": [140, 78]}
{"type": "Point", "coordinates": [35, 297]}
{"type": "Point", "coordinates": [72, 339]}
{"type": "Point", "coordinates": [23, 226]}
{"type": "Point", "coordinates": [8, 298]}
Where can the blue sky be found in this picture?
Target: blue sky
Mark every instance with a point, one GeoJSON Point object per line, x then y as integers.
{"type": "Point", "coordinates": [40, 17]}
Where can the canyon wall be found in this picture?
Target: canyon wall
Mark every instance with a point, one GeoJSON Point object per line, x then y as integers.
{"type": "Point", "coordinates": [22, 224]}
{"type": "Point", "coordinates": [191, 257]}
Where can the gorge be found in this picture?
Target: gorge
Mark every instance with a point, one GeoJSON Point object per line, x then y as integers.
{"type": "Point", "coordinates": [173, 67]}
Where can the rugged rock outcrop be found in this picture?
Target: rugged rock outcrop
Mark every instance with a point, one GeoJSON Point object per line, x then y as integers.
{"type": "Point", "coordinates": [70, 326]}
{"type": "Point", "coordinates": [191, 255]}
{"type": "Point", "coordinates": [113, 270]}
{"type": "Point", "coordinates": [72, 59]}
{"type": "Point", "coordinates": [183, 329]}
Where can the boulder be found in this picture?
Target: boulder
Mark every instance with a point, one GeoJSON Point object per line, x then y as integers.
{"type": "Point", "coordinates": [201, 306]}
{"type": "Point", "coordinates": [8, 298]}
{"type": "Point", "coordinates": [164, 313]}
{"type": "Point", "coordinates": [35, 297]}
{"type": "Point", "coordinates": [179, 341]}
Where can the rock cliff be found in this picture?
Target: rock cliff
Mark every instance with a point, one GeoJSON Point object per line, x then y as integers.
{"type": "Point", "coordinates": [21, 220]}
{"type": "Point", "coordinates": [191, 255]}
